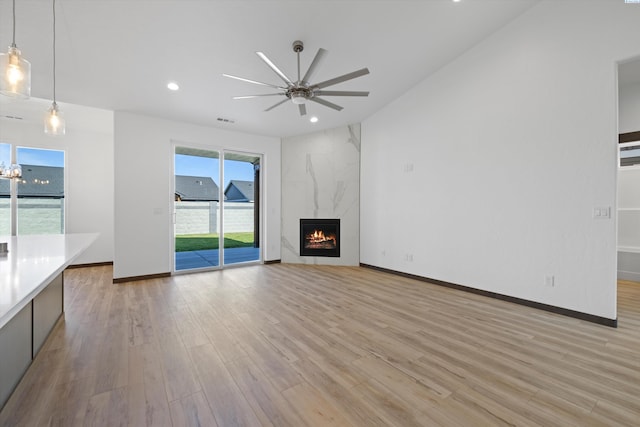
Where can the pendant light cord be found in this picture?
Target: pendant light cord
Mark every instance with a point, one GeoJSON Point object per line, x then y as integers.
{"type": "Point", "coordinates": [54, 51]}
{"type": "Point", "coordinates": [13, 40]}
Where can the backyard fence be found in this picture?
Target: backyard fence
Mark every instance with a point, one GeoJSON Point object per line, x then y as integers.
{"type": "Point", "coordinates": [204, 217]}
{"type": "Point", "coordinates": [35, 216]}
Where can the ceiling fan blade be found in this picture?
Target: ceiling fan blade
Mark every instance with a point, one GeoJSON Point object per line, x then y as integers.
{"type": "Point", "coordinates": [257, 96]}
{"type": "Point", "coordinates": [341, 79]}
{"type": "Point", "coordinates": [254, 82]}
{"type": "Point", "coordinates": [340, 93]}
{"type": "Point", "coordinates": [314, 65]}
{"type": "Point", "coordinates": [326, 103]}
{"type": "Point", "coordinates": [271, 65]}
{"type": "Point", "coordinates": [303, 109]}
{"type": "Point", "coordinates": [275, 105]}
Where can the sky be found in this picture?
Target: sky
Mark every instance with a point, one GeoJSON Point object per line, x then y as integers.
{"type": "Point", "coordinates": [184, 165]}
{"type": "Point", "coordinates": [206, 166]}
{"type": "Point", "coordinates": [33, 156]}
{"type": "Point", "coordinates": [4, 153]}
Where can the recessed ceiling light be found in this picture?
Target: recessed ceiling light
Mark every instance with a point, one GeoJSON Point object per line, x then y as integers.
{"type": "Point", "coordinates": [313, 119]}
{"type": "Point", "coordinates": [173, 86]}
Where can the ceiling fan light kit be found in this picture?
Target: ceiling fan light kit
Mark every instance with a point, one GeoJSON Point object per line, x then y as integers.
{"type": "Point", "coordinates": [299, 96]}
{"type": "Point", "coordinates": [301, 91]}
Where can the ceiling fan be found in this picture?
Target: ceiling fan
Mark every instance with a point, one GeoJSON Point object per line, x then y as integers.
{"type": "Point", "coordinates": [301, 90]}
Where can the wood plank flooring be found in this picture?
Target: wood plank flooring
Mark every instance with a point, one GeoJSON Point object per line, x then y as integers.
{"type": "Point", "coordinates": [287, 345]}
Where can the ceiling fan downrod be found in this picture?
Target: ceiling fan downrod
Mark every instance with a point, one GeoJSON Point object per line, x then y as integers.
{"type": "Point", "coordinates": [298, 47]}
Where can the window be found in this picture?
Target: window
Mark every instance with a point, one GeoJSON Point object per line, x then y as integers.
{"type": "Point", "coordinates": [36, 200]}
{"type": "Point", "coordinates": [5, 194]}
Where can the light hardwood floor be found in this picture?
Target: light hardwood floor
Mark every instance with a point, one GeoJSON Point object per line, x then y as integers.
{"type": "Point", "coordinates": [285, 345]}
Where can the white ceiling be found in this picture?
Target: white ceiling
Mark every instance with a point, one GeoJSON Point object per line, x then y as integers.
{"type": "Point", "coordinates": [119, 55]}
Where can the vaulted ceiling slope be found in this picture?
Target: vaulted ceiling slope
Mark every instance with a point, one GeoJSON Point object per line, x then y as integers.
{"type": "Point", "coordinates": [120, 55]}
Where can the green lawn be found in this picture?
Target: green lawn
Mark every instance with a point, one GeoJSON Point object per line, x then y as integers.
{"type": "Point", "coordinates": [197, 242]}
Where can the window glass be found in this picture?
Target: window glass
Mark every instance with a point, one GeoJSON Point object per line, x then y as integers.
{"type": "Point", "coordinates": [5, 196]}
{"type": "Point", "coordinates": [40, 191]}
{"type": "Point", "coordinates": [241, 208]}
{"type": "Point", "coordinates": [196, 208]}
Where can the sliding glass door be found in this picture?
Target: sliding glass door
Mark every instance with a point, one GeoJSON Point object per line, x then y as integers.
{"type": "Point", "coordinates": [241, 208]}
{"type": "Point", "coordinates": [215, 225]}
{"type": "Point", "coordinates": [196, 209]}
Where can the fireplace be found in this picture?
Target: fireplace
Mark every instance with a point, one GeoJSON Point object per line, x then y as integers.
{"type": "Point", "coordinates": [320, 237]}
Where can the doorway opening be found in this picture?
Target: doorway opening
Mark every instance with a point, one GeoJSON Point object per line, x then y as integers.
{"type": "Point", "coordinates": [628, 200]}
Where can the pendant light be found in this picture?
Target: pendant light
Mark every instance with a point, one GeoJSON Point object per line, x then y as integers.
{"type": "Point", "coordinates": [13, 171]}
{"type": "Point", "coordinates": [16, 71]}
{"type": "Point", "coordinates": [54, 120]}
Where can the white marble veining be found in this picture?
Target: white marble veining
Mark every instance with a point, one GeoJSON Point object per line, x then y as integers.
{"type": "Point", "coordinates": [31, 263]}
{"type": "Point", "coordinates": [321, 179]}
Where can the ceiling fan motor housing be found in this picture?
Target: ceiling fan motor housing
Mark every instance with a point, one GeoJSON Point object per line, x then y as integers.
{"type": "Point", "coordinates": [299, 95]}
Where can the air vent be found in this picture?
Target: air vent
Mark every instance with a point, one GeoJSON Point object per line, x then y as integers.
{"type": "Point", "coordinates": [223, 120]}
{"type": "Point", "coordinates": [13, 117]}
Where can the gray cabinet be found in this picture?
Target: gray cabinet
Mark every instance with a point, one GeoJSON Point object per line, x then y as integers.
{"type": "Point", "coordinates": [23, 336]}
{"type": "Point", "coordinates": [47, 308]}
{"type": "Point", "coordinates": [15, 352]}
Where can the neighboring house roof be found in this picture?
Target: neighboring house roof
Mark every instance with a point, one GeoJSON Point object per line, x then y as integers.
{"type": "Point", "coordinates": [196, 188]}
{"type": "Point", "coordinates": [239, 191]}
{"type": "Point", "coordinates": [37, 181]}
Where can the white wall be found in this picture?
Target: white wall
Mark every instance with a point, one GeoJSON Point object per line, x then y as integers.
{"type": "Point", "coordinates": [629, 109]}
{"type": "Point", "coordinates": [88, 145]}
{"type": "Point", "coordinates": [320, 179]}
{"type": "Point", "coordinates": [502, 156]}
{"type": "Point", "coordinates": [143, 182]}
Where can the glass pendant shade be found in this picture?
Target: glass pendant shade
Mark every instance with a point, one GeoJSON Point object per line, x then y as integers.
{"type": "Point", "coordinates": [54, 121]}
{"type": "Point", "coordinates": [54, 124]}
{"type": "Point", "coordinates": [10, 172]}
{"type": "Point", "coordinates": [16, 74]}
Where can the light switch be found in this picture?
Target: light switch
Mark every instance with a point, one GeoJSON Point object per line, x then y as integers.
{"type": "Point", "coordinates": [602, 212]}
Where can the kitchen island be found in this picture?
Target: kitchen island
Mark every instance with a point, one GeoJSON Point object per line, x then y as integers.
{"type": "Point", "coordinates": [31, 297]}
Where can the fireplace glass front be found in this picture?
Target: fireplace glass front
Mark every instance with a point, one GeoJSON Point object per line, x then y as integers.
{"type": "Point", "coordinates": [320, 237]}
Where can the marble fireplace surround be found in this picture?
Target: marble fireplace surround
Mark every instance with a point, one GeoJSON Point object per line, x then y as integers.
{"type": "Point", "coordinates": [321, 179]}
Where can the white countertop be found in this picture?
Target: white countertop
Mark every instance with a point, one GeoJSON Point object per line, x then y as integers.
{"type": "Point", "coordinates": [31, 264]}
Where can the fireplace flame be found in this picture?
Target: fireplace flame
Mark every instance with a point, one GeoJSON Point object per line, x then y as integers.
{"type": "Point", "coordinates": [318, 236]}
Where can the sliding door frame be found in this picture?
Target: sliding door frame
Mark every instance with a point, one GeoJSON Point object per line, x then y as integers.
{"type": "Point", "coordinates": [258, 204]}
